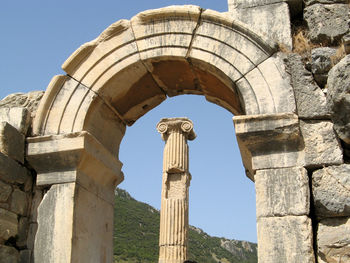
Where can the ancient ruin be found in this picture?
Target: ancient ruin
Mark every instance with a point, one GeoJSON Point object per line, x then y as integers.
{"type": "Point", "coordinates": [173, 235]}
{"type": "Point", "coordinates": [287, 87]}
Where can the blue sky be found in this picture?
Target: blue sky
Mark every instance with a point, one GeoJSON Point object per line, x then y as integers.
{"type": "Point", "coordinates": [38, 36]}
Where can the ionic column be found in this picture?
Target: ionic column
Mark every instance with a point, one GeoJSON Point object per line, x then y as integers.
{"type": "Point", "coordinates": [173, 236]}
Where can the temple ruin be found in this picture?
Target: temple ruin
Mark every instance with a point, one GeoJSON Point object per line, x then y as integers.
{"type": "Point", "coordinates": [59, 150]}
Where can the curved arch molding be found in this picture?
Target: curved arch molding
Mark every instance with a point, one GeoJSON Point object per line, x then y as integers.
{"type": "Point", "coordinates": [134, 65]}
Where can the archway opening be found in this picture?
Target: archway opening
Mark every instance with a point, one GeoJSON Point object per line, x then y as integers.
{"type": "Point", "coordinates": [222, 198]}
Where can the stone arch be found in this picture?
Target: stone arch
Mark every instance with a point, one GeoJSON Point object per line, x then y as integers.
{"type": "Point", "coordinates": [130, 69]}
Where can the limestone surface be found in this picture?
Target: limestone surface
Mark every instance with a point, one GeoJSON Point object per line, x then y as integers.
{"type": "Point", "coordinates": [331, 191]}
{"type": "Point", "coordinates": [18, 117]}
{"type": "Point", "coordinates": [311, 101]}
{"type": "Point", "coordinates": [321, 63]}
{"type": "Point", "coordinates": [281, 192]}
{"type": "Point", "coordinates": [173, 234]}
{"type": "Point", "coordinates": [327, 23]}
{"type": "Point", "coordinates": [11, 142]}
{"type": "Point", "coordinates": [338, 98]}
{"type": "Point", "coordinates": [321, 144]}
{"type": "Point", "coordinates": [272, 21]}
{"type": "Point", "coordinates": [285, 239]}
{"type": "Point", "coordinates": [28, 100]}
{"type": "Point", "coordinates": [333, 240]}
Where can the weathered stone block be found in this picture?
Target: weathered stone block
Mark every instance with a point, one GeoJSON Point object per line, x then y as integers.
{"type": "Point", "coordinates": [25, 256]}
{"type": "Point", "coordinates": [23, 226]}
{"type": "Point", "coordinates": [5, 191]}
{"type": "Point", "coordinates": [327, 23]}
{"type": "Point", "coordinates": [333, 240]}
{"type": "Point", "coordinates": [311, 2]}
{"type": "Point", "coordinates": [11, 171]}
{"type": "Point", "coordinates": [321, 144]}
{"type": "Point", "coordinates": [18, 117]}
{"type": "Point", "coordinates": [8, 225]}
{"type": "Point", "coordinates": [285, 239]}
{"type": "Point", "coordinates": [338, 98]}
{"type": "Point", "coordinates": [32, 229]}
{"type": "Point", "coordinates": [294, 5]}
{"type": "Point", "coordinates": [8, 254]}
{"type": "Point", "coordinates": [281, 192]}
{"type": "Point", "coordinates": [346, 43]}
{"type": "Point", "coordinates": [269, 141]}
{"type": "Point", "coordinates": [29, 100]}
{"type": "Point", "coordinates": [272, 21]}
{"type": "Point", "coordinates": [331, 191]}
{"type": "Point", "coordinates": [311, 101]}
{"type": "Point", "coordinates": [11, 142]}
{"type": "Point", "coordinates": [321, 63]}
{"type": "Point", "coordinates": [19, 202]}
{"type": "Point", "coordinates": [38, 196]}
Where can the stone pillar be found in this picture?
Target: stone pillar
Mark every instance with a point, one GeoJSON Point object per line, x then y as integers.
{"type": "Point", "coordinates": [273, 152]}
{"type": "Point", "coordinates": [75, 217]}
{"type": "Point", "coordinates": [173, 236]}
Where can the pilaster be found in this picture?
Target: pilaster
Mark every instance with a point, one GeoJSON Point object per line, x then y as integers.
{"type": "Point", "coordinates": [80, 176]}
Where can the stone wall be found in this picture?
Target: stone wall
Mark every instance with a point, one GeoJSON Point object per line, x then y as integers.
{"type": "Point", "coordinates": [314, 37]}
{"type": "Point", "coordinates": [18, 196]}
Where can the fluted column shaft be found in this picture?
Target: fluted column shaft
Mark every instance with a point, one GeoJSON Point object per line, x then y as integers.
{"type": "Point", "coordinates": [173, 238]}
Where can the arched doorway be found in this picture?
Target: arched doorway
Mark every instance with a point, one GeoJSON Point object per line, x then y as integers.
{"type": "Point", "coordinates": [131, 68]}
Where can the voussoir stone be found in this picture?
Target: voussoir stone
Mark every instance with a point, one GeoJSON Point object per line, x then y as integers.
{"type": "Point", "coordinates": [327, 23]}
{"type": "Point", "coordinates": [331, 191]}
{"type": "Point", "coordinates": [8, 254]}
{"type": "Point", "coordinates": [321, 144]}
{"type": "Point", "coordinates": [311, 101]}
{"type": "Point", "coordinates": [281, 192]}
{"type": "Point", "coordinates": [338, 98]}
{"type": "Point", "coordinates": [321, 63]}
{"type": "Point", "coordinates": [333, 240]}
{"type": "Point", "coordinates": [8, 225]}
{"type": "Point", "coordinates": [285, 239]}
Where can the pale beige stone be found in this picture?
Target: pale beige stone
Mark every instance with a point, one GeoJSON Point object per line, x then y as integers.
{"type": "Point", "coordinates": [271, 20]}
{"type": "Point", "coordinates": [269, 141]}
{"type": "Point", "coordinates": [281, 192]}
{"type": "Point", "coordinates": [321, 143]}
{"type": "Point", "coordinates": [55, 225]}
{"type": "Point", "coordinates": [285, 239]}
{"type": "Point", "coordinates": [18, 117]}
{"type": "Point", "coordinates": [83, 158]}
{"type": "Point", "coordinates": [11, 142]}
{"type": "Point", "coordinates": [173, 234]}
{"type": "Point", "coordinates": [333, 240]}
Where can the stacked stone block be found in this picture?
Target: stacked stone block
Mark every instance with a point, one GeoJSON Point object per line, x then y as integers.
{"type": "Point", "coordinates": [16, 185]}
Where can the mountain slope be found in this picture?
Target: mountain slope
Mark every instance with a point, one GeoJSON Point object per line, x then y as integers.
{"type": "Point", "coordinates": [136, 231]}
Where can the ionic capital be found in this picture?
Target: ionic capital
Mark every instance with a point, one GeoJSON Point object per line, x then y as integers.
{"type": "Point", "coordinates": [166, 126]}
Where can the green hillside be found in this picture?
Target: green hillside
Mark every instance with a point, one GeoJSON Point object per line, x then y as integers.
{"type": "Point", "coordinates": [136, 237]}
